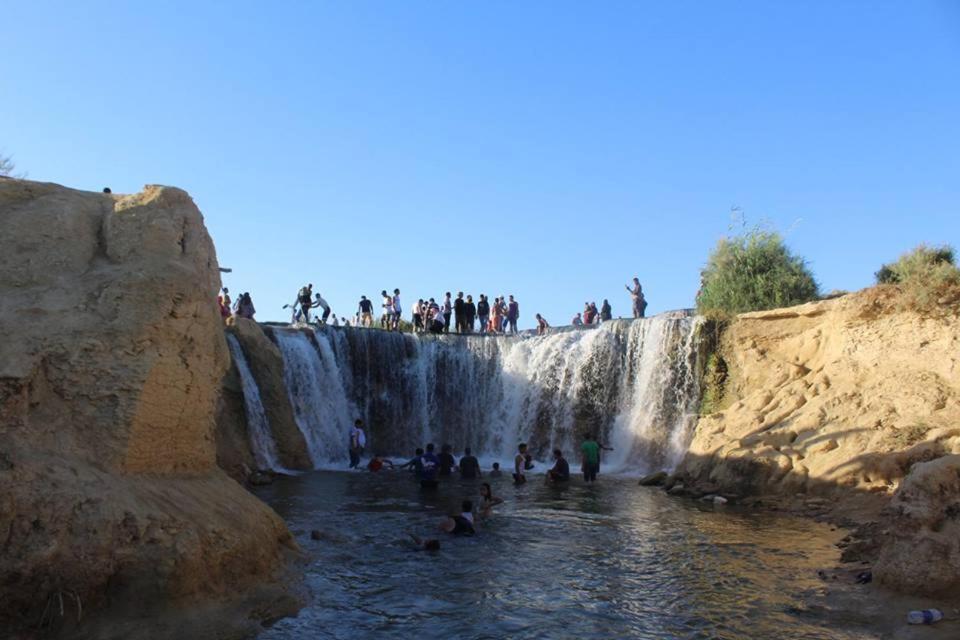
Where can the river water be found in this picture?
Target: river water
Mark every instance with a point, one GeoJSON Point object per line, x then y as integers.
{"type": "Point", "coordinates": [611, 560]}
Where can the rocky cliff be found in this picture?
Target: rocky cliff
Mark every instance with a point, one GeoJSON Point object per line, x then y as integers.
{"type": "Point", "coordinates": [843, 397]}
{"type": "Point", "coordinates": [110, 369]}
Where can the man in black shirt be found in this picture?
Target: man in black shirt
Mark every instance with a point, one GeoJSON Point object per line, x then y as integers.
{"type": "Point", "coordinates": [460, 319]}
{"type": "Point", "coordinates": [366, 312]}
{"type": "Point", "coordinates": [447, 462]}
{"type": "Point", "coordinates": [469, 466]}
{"type": "Point", "coordinates": [561, 469]}
{"type": "Point", "coordinates": [470, 313]}
{"type": "Point", "coordinates": [483, 312]}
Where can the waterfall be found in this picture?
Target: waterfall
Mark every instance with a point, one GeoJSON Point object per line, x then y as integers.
{"type": "Point", "coordinates": [633, 383]}
{"type": "Point", "coordinates": [314, 382]}
{"type": "Point", "coordinates": [258, 427]}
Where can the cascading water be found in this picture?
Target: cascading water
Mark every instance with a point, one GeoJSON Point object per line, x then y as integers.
{"type": "Point", "coordinates": [261, 437]}
{"type": "Point", "coordinates": [632, 383]}
{"type": "Point", "coordinates": [314, 382]}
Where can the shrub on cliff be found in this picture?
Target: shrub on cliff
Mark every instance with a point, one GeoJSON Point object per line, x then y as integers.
{"type": "Point", "coordinates": [752, 272]}
{"type": "Point", "coordinates": [925, 275]}
{"type": "Point", "coordinates": [6, 165]}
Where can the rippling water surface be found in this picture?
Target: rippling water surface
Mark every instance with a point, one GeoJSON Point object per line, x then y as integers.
{"type": "Point", "coordinates": [612, 560]}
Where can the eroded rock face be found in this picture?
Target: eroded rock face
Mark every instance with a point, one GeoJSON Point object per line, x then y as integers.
{"type": "Point", "coordinates": [922, 553]}
{"type": "Point", "coordinates": [110, 368]}
{"type": "Point", "coordinates": [842, 394]}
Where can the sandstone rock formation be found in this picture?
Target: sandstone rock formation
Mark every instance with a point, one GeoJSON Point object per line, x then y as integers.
{"type": "Point", "coordinates": [840, 393]}
{"type": "Point", "coordinates": [847, 398]}
{"type": "Point", "coordinates": [922, 554]}
{"type": "Point", "coordinates": [110, 365]}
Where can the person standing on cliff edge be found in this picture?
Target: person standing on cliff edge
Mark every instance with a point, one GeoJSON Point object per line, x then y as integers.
{"type": "Point", "coordinates": [513, 314]}
{"type": "Point", "coordinates": [639, 302]}
{"type": "Point", "coordinates": [459, 313]}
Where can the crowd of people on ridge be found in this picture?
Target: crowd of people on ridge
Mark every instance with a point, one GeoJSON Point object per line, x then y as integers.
{"type": "Point", "coordinates": [428, 315]}
{"type": "Point", "coordinates": [430, 468]}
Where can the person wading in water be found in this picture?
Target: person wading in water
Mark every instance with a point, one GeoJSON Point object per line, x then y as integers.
{"type": "Point", "coordinates": [520, 464]}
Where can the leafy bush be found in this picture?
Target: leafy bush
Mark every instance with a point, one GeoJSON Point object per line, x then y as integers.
{"type": "Point", "coordinates": [752, 272]}
{"type": "Point", "coordinates": [924, 274]}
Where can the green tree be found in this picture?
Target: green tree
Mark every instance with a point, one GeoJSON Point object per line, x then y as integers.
{"type": "Point", "coordinates": [754, 271]}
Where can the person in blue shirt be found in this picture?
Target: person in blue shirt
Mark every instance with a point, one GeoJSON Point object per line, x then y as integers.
{"type": "Point", "coordinates": [429, 468]}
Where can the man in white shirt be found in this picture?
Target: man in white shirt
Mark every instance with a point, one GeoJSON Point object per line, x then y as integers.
{"type": "Point", "coordinates": [320, 302]}
{"type": "Point", "coordinates": [358, 440]}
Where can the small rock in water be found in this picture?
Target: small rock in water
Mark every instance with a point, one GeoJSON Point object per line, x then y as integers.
{"type": "Point", "coordinates": [676, 489]}
{"type": "Point", "coordinates": [316, 535]}
{"type": "Point", "coordinates": [654, 479]}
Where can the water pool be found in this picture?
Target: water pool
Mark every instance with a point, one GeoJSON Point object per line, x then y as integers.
{"type": "Point", "coordinates": [610, 560]}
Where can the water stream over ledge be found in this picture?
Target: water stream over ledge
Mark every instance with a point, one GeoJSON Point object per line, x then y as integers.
{"type": "Point", "coordinates": [606, 561]}
{"type": "Point", "coordinates": [634, 384]}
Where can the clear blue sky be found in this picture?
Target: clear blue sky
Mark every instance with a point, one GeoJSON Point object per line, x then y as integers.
{"type": "Point", "coordinates": [550, 149]}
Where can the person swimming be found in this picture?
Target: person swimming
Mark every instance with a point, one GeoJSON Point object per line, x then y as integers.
{"type": "Point", "coordinates": [428, 544]}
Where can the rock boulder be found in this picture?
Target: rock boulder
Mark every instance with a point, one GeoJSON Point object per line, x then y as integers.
{"type": "Point", "coordinates": [110, 367]}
